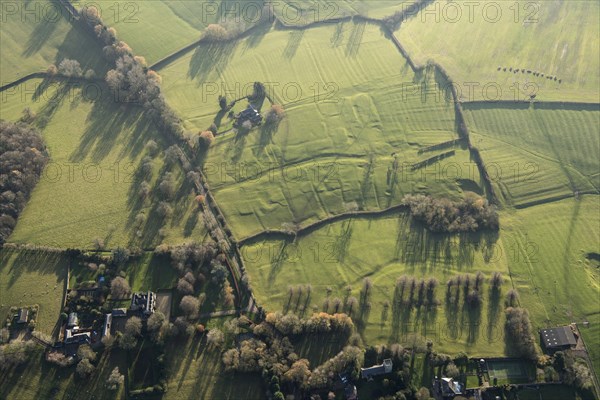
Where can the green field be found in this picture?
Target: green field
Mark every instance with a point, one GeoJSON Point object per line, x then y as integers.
{"type": "Point", "coordinates": [90, 187]}
{"type": "Point", "coordinates": [537, 153]}
{"type": "Point", "coordinates": [33, 277]}
{"type": "Point", "coordinates": [304, 12]}
{"type": "Point", "coordinates": [41, 380]}
{"type": "Point", "coordinates": [383, 249]}
{"type": "Point", "coordinates": [471, 45]}
{"type": "Point", "coordinates": [557, 283]}
{"type": "Point", "coordinates": [38, 33]}
{"type": "Point", "coordinates": [47, 272]}
{"type": "Point", "coordinates": [196, 372]}
{"type": "Point", "coordinates": [334, 149]}
{"type": "Point", "coordinates": [155, 29]}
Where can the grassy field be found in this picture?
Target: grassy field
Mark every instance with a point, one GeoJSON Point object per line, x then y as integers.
{"type": "Point", "coordinates": [549, 263]}
{"type": "Point", "coordinates": [147, 272]}
{"type": "Point", "coordinates": [155, 29]}
{"type": "Point", "coordinates": [335, 147]}
{"type": "Point", "coordinates": [90, 187]}
{"type": "Point", "coordinates": [304, 12]}
{"type": "Point", "coordinates": [38, 33]}
{"type": "Point", "coordinates": [41, 380]}
{"type": "Point", "coordinates": [28, 278]}
{"type": "Point", "coordinates": [196, 371]}
{"type": "Point", "coordinates": [471, 45]}
{"type": "Point", "coordinates": [382, 249]}
{"type": "Point", "coordinates": [537, 153]}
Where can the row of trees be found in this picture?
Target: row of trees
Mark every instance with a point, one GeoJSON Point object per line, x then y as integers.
{"type": "Point", "coordinates": [518, 333]}
{"type": "Point", "coordinates": [290, 324]}
{"type": "Point", "coordinates": [443, 215]}
{"type": "Point", "coordinates": [22, 159]}
{"type": "Point", "coordinates": [131, 80]}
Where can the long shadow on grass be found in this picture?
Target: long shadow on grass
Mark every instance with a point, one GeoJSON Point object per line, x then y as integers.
{"type": "Point", "coordinates": [417, 247]}
{"type": "Point", "coordinates": [208, 58]}
{"type": "Point", "coordinates": [293, 44]}
{"type": "Point", "coordinates": [40, 35]}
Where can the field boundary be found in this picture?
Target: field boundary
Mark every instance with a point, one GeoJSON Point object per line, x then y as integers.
{"type": "Point", "coordinates": [278, 234]}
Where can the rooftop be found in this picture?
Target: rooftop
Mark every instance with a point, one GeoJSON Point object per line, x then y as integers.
{"type": "Point", "coordinates": [559, 337]}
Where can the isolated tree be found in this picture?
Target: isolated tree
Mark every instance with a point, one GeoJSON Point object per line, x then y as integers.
{"type": "Point", "coordinates": [207, 138]}
{"type": "Point", "coordinates": [144, 190]}
{"type": "Point", "coordinates": [215, 33]}
{"type": "Point", "coordinates": [172, 155]}
{"type": "Point", "coordinates": [167, 187]}
{"type": "Point", "coordinates": [512, 298]}
{"type": "Point", "coordinates": [496, 280]}
{"type": "Point", "coordinates": [164, 209]}
{"type": "Point", "coordinates": [190, 306]}
{"type": "Point", "coordinates": [98, 244]}
{"type": "Point", "coordinates": [119, 288]}
{"type": "Point", "coordinates": [274, 115]}
{"type": "Point", "coordinates": [52, 70]}
{"type": "Point", "coordinates": [140, 218]}
{"type": "Point", "coordinates": [115, 379]}
{"type": "Point", "coordinates": [215, 337]}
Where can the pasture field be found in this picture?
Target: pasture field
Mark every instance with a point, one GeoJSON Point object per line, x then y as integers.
{"type": "Point", "coordinates": [41, 380]}
{"type": "Point", "coordinates": [536, 153]}
{"type": "Point", "coordinates": [334, 149]}
{"type": "Point", "coordinates": [155, 29]}
{"type": "Point", "coordinates": [382, 249]}
{"type": "Point", "coordinates": [304, 12]}
{"type": "Point", "coordinates": [147, 272]}
{"type": "Point", "coordinates": [33, 277]}
{"type": "Point", "coordinates": [471, 45]}
{"type": "Point", "coordinates": [196, 371]}
{"type": "Point", "coordinates": [550, 267]}
{"type": "Point", "coordinates": [90, 187]}
{"type": "Point", "coordinates": [540, 250]}
{"type": "Point", "coordinates": [38, 33]}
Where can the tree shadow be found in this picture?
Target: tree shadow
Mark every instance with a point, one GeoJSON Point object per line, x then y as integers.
{"type": "Point", "coordinates": [355, 39]}
{"type": "Point", "coordinates": [209, 57]}
{"type": "Point", "coordinates": [257, 35]}
{"type": "Point", "coordinates": [40, 35]}
{"type": "Point", "coordinates": [293, 44]}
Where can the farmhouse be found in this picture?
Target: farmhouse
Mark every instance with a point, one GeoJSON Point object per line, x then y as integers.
{"type": "Point", "coordinates": [144, 303]}
{"type": "Point", "coordinates": [376, 370]}
{"type": "Point", "coordinates": [249, 114]}
{"type": "Point", "coordinates": [23, 316]}
{"type": "Point", "coordinates": [560, 338]}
